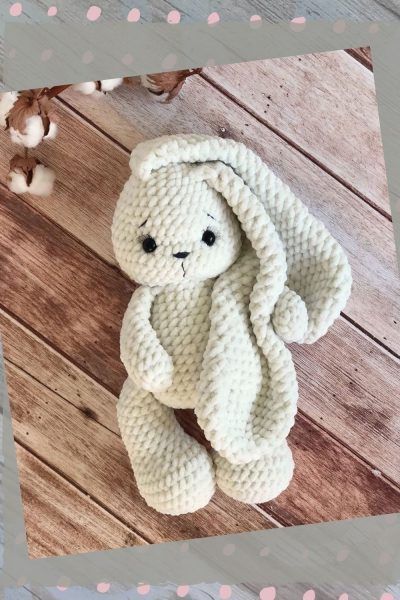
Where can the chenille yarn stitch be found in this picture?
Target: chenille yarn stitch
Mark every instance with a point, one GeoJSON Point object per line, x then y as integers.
{"type": "Point", "coordinates": [232, 266]}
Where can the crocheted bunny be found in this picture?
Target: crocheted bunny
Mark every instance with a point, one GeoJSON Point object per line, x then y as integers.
{"type": "Point", "coordinates": [231, 266]}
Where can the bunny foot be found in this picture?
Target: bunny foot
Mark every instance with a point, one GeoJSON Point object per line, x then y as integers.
{"type": "Point", "coordinates": [174, 473]}
{"type": "Point", "coordinates": [179, 483]}
{"type": "Point", "coordinates": [256, 481]}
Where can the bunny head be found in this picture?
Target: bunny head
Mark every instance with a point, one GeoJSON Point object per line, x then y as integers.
{"type": "Point", "coordinates": [174, 227]}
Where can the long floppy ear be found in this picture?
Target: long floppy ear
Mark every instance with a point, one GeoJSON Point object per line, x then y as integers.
{"type": "Point", "coordinates": [317, 267]}
{"type": "Point", "coordinates": [261, 233]}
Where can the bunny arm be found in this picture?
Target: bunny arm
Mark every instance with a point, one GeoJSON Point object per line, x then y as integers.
{"type": "Point", "coordinates": [290, 317]}
{"type": "Point", "coordinates": [146, 361]}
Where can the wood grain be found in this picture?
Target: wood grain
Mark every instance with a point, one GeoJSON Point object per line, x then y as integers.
{"type": "Point", "coordinates": [91, 298]}
{"type": "Point", "coordinates": [62, 520]}
{"type": "Point", "coordinates": [336, 388]}
{"type": "Point", "coordinates": [94, 459]}
{"type": "Point", "coordinates": [310, 101]}
{"type": "Point", "coordinates": [63, 305]}
{"type": "Point", "coordinates": [73, 445]}
{"type": "Point", "coordinates": [357, 10]}
{"type": "Point", "coordinates": [130, 116]}
{"type": "Point", "coordinates": [349, 385]}
{"type": "Point", "coordinates": [32, 354]}
{"type": "Point", "coordinates": [363, 55]}
{"type": "Point", "coordinates": [328, 480]}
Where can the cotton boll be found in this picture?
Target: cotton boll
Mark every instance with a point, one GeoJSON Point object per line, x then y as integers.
{"type": "Point", "coordinates": [53, 130]}
{"type": "Point", "coordinates": [87, 88]}
{"type": "Point", "coordinates": [17, 182]}
{"type": "Point", "coordinates": [43, 181]}
{"type": "Point", "coordinates": [108, 85]}
{"type": "Point", "coordinates": [32, 135]}
{"type": "Point", "coordinates": [7, 101]}
{"type": "Point", "coordinates": [38, 180]}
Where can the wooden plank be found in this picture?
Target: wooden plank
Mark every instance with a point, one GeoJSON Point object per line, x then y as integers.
{"type": "Point", "coordinates": [45, 277]}
{"type": "Point", "coordinates": [131, 116]}
{"type": "Point", "coordinates": [355, 10]}
{"type": "Point", "coordinates": [325, 104]}
{"type": "Point", "coordinates": [360, 411]}
{"type": "Point", "coordinates": [329, 481]}
{"type": "Point", "coordinates": [30, 353]}
{"type": "Point", "coordinates": [94, 459]}
{"type": "Point", "coordinates": [363, 55]}
{"type": "Point", "coordinates": [75, 446]}
{"type": "Point", "coordinates": [62, 520]}
{"type": "Point", "coordinates": [350, 386]}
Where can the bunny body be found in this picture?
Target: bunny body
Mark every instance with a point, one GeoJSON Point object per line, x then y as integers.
{"type": "Point", "coordinates": [231, 266]}
{"type": "Point", "coordinates": [180, 317]}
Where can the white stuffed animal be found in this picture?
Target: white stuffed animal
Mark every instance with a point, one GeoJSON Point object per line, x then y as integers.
{"type": "Point", "coordinates": [231, 266]}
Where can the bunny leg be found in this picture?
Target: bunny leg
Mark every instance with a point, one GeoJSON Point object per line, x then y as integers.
{"type": "Point", "coordinates": [256, 481]}
{"type": "Point", "coordinates": [173, 472]}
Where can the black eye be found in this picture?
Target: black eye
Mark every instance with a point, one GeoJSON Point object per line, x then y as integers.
{"type": "Point", "coordinates": [149, 244]}
{"type": "Point", "coordinates": [208, 237]}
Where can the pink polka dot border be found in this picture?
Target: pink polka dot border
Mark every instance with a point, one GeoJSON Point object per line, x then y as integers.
{"type": "Point", "coordinates": [173, 17]}
{"type": "Point", "coordinates": [93, 13]}
{"type": "Point", "coordinates": [16, 9]}
{"type": "Point", "coordinates": [182, 591]}
{"type": "Point", "coordinates": [133, 15]}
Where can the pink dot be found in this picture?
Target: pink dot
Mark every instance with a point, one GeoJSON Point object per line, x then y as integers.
{"type": "Point", "coordinates": [169, 61]}
{"type": "Point", "coordinates": [213, 18]}
{"type": "Point", "coordinates": [374, 28]}
{"type": "Point", "coordinates": [182, 591]}
{"type": "Point", "coordinates": [255, 18]}
{"type": "Point", "coordinates": [185, 547]}
{"type": "Point", "coordinates": [344, 596]}
{"type": "Point", "coordinates": [62, 588]}
{"type": "Point", "coordinates": [174, 16]}
{"type": "Point", "coordinates": [46, 55]}
{"type": "Point", "coordinates": [265, 551]}
{"type": "Point", "coordinates": [342, 554]}
{"type": "Point", "coordinates": [387, 596]}
{"type": "Point", "coordinates": [268, 593]}
{"type": "Point", "coordinates": [12, 53]}
{"type": "Point", "coordinates": [225, 592]}
{"type": "Point", "coordinates": [309, 595]}
{"type": "Point", "coordinates": [133, 15]}
{"type": "Point", "coordinates": [299, 20]}
{"type": "Point", "coordinates": [16, 9]}
{"type": "Point", "coordinates": [229, 549]}
{"type": "Point", "coordinates": [103, 587]}
{"type": "Point", "coordinates": [127, 59]}
{"type": "Point", "coordinates": [93, 13]}
{"type": "Point", "coordinates": [143, 589]}
{"type": "Point", "coordinates": [52, 11]}
{"type": "Point", "coordinates": [87, 57]}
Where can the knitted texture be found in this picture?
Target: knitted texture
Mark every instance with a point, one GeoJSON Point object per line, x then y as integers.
{"type": "Point", "coordinates": [232, 266]}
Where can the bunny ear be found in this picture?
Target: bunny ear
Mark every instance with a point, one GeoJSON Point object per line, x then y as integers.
{"type": "Point", "coordinates": [317, 267]}
{"type": "Point", "coordinates": [262, 235]}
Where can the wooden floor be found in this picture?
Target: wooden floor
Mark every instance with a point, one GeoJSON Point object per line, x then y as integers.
{"type": "Point", "coordinates": [314, 120]}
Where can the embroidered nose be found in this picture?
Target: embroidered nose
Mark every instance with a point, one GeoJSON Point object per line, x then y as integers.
{"type": "Point", "coordinates": [181, 254]}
